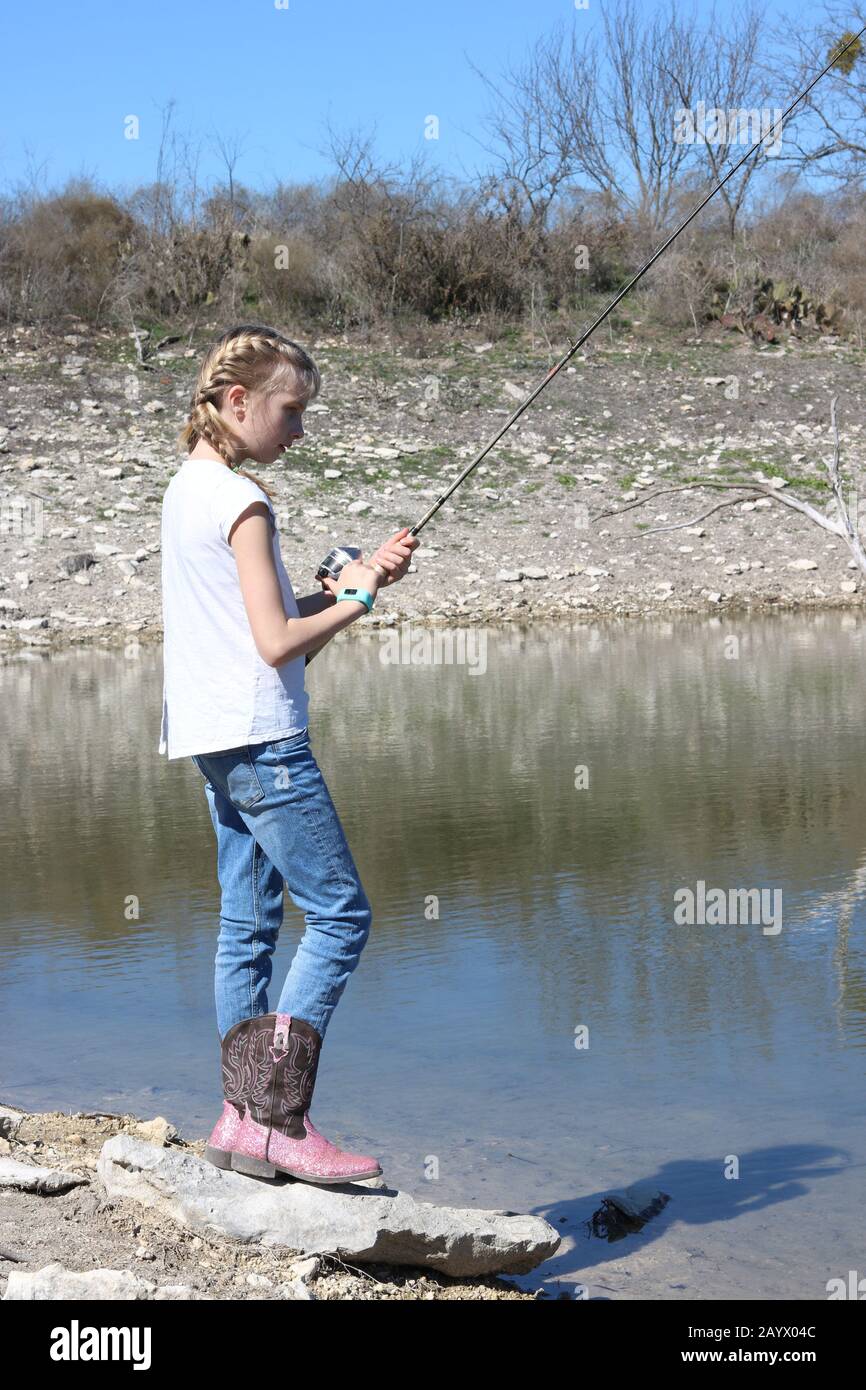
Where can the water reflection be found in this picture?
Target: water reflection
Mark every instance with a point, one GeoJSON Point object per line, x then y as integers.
{"type": "Point", "coordinates": [522, 832]}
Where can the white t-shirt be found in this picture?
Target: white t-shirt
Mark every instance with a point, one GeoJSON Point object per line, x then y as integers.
{"type": "Point", "coordinates": [217, 691]}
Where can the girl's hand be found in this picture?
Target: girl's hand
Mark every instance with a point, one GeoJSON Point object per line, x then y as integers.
{"type": "Point", "coordinates": [333, 586]}
{"type": "Point", "coordinates": [395, 556]}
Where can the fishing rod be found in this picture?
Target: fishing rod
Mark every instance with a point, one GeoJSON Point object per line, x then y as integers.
{"type": "Point", "coordinates": [341, 555]}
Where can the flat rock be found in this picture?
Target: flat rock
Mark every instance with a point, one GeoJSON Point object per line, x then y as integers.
{"type": "Point", "coordinates": [27, 1177]}
{"type": "Point", "coordinates": [353, 1220]}
{"type": "Point", "coordinates": [54, 1282]}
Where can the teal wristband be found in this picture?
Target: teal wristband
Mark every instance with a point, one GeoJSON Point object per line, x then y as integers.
{"type": "Point", "coordinates": [358, 595]}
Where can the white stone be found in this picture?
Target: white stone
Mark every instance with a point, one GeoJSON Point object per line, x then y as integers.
{"type": "Point", "coordinates": [370, 1221]}
{"type": "Point", "coordinates": [30, 1177]}
{"type": "Point", "coordinates": [57, 1284]}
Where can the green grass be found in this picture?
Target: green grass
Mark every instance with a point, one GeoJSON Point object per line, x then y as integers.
{"type": "Point", "coordinates": [739, 456]}
{"type": "Point", "coordinates": [325, 485]}
{"type": "Point", "coordinates": [705, 478]}
{"type": "Point", "coordinates": [811, 485]}
{"type": "Point", "coordinates": [815, 485]}
{"type": "Point", "coordinates": [663, 358]}
{"type": "Point", "coordinates": [567, 479]}
{"type": "Point", "coordinates": [733, 470]}
{"type": "Point", "coordinates": [120, 348]}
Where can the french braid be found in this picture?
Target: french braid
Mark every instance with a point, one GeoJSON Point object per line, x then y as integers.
{"type": "Point", "coordinates": [248, 355]}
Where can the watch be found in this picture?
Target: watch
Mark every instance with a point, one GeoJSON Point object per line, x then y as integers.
{"type": "Point", "coordinates": [358, 595]}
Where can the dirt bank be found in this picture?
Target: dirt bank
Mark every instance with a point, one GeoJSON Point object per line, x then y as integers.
{"type": "Point", "coordinates": [87, 449]}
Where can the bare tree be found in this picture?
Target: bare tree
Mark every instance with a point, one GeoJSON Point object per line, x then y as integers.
{"type": "Point", "coordinates": [230, 151]}
{"type": "Point", "coordinates": [829, 138]}
{"type": "Point", "coordinates": [535, 135]}
{"type": "Point", "coordinates": [381, 205]}
{"type": "Point", "coordinates": [603, 109]}
{"type": "Point", "coordinates": [162, 205]}
{"type": "Point", "coordinates": [734, 85]}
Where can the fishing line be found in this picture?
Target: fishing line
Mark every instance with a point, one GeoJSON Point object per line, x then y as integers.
{"type": "Point", "coordinates": [341, 555]}
{"type": "Point", "coordinates": [624, 291]}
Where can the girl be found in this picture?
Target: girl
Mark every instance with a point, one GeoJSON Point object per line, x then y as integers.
{"type": "Point", "coordinates": [236, 642]}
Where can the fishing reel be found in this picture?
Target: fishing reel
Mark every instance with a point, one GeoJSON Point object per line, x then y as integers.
{"type": "Point", "coordinates": [341, 555]}
{"type": "Point", "coordinates": [335, 560]}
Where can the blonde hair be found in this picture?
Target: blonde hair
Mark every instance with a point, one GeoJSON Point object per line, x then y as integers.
{"type": "Point", "coordinates": [248, 355]}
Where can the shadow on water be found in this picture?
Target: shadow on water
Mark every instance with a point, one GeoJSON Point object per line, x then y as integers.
{"type": "Point", "coordinates": [688, 1192]}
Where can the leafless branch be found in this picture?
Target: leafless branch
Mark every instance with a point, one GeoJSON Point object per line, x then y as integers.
{"type": "Point", "coordinates": [841, 526]}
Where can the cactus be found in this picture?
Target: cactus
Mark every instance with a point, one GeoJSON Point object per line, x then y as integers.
{"type": "Point", "coordinates": [773, 304]}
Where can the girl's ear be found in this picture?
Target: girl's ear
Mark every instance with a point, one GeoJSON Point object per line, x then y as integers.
{"type": "Point", "coordinates": [236, 397]}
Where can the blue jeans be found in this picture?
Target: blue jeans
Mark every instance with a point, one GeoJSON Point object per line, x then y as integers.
{"type": "Point", "coordinates": [274, 820]}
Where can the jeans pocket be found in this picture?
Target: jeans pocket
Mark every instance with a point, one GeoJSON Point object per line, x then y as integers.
{"type": "Point", "coordinates": [242, 781]}
{"type": "Point", "coordinates": [234, 774]}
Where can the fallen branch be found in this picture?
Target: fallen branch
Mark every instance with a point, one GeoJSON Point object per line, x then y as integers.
{"type": "Point", "coordinates": [678, 525]}
{"type": "Point", "coordinates": [841, 526]}
{"type": "Point", "coordinates": [763, 490]}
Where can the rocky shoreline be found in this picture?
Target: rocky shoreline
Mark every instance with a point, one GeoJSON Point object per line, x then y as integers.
{"type": "Point", "coordinates": [73, 1228]}
{"type": "Point", "coordinates": [87, 449]}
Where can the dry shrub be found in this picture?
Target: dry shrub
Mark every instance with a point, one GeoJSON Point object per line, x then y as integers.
{"type": "Point", "coordinates": [62, 254]}
{"type": "Point", "coordinates": [368, 252]}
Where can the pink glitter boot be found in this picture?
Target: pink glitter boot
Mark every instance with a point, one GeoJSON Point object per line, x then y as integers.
{"type": "Point", "coordinates": [269, 1071]}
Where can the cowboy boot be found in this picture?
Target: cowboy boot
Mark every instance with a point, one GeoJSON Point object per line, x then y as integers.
{"type": "Point", "coordinates": [244, 1058]}
{"type": "Point", "coordinates": [269, 1070]}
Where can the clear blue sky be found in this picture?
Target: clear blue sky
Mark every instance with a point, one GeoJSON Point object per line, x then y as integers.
{"type": "Point", "coordinates": [260, 77]}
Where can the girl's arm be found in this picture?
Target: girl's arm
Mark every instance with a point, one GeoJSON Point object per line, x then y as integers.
{"type": "Point", "coordinates": [279, 639]}
{"type": "Point", "coordinates": [315, 603]}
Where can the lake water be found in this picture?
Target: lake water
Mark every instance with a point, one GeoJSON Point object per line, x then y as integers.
{"type": "Point", "coordinates": [557, 1031]}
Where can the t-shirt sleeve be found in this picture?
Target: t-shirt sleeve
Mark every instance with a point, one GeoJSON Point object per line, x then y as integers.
{"type": "Point", "coordinates": [234, 497]}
